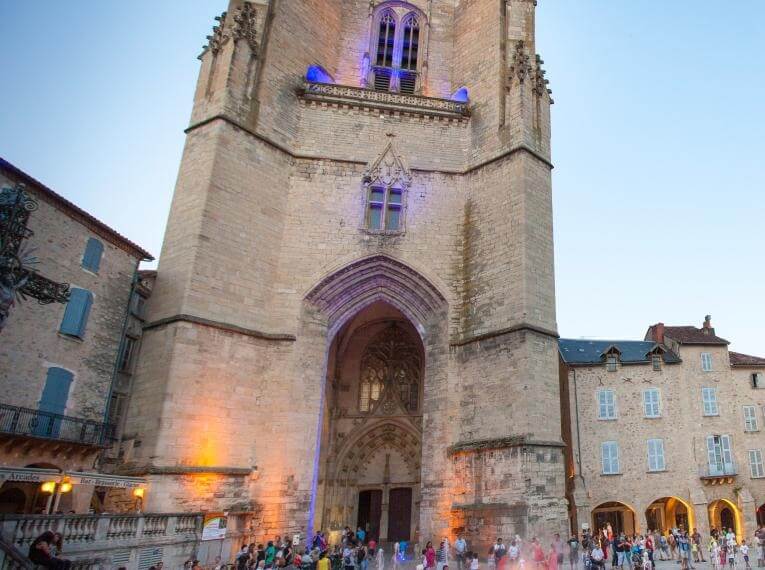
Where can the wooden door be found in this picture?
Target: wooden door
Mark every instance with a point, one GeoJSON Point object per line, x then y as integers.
{"type": "Point", "coordinates": [370, 511]}
{"type": "Point", "coordinates": [400, 514]}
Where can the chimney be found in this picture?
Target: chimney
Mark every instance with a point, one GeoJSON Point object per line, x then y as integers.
{"type": "Point", "coordinates": [707, 326]}
{"type": "Point", "coordinates": [658, 333]}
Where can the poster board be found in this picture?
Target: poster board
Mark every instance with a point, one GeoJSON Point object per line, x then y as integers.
{"type": "Point", "coordinates": [214, 526]}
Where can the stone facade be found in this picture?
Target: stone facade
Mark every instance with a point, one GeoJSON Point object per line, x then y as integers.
{"type": "Point", "coordinates": [244, 384]}
{"type": "Point", "coordinates": [32, 342]}
{"type": "Point", "coordinates": [686, 486]}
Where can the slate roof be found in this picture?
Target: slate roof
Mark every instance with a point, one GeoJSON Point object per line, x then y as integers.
{"type": "Point", "coordinates": [582, 352]}
{"type": "Point", "coordinates": [738, 359]}
{"type": "Point", "coordinates": [693, 335]}
{"type": "Point", "coordinates": [96, 225]}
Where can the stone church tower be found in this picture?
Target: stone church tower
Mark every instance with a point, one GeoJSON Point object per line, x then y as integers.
{"type": "Point", "coordinates": [354, 315]}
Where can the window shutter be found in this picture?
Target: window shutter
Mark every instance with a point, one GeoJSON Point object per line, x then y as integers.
{"type": "Point", "coordinates": [76, 313]}
{"type": "Point", "coordinates": [91, 260]}
{"type": "Point", "coordinates": [56, 391]}
{"type": "Point", "coordinates": [726, 450]}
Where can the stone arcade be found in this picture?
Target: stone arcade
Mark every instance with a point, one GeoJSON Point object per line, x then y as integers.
{"type": "Point", "coordinates": [354, 315]}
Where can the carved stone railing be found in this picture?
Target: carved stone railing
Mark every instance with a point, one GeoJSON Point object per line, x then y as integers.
{"type": "Point", "coordinates": [358, 97]}
{"type": "Point", "coordinates": [92, 540]}
{"type": "Point", "coordinates": [100, 541]}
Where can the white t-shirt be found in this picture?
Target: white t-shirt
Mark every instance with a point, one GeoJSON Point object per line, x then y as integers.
{"type": "Point", "coordinates": [512, 552]}
{"type": "Point", "coordinates": [744, 549]}
{"type": "Point", "coordinates": [597, 554]}
{"type": "Point", "coordinates": [474, 564]}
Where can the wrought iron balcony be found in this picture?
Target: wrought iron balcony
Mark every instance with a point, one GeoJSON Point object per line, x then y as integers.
{"type": "Point", "coordinates": [35, 423]}
{"type": "Point", "coordinates": [718, 472]}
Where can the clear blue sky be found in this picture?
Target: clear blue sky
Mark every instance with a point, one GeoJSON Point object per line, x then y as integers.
{"type": "Point", "coordinates": [658, 141]}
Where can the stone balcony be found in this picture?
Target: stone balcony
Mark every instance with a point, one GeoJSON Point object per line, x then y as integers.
{"type": "Point", "coordinates": [356, 97]}
{"type": "Point", "coordinates": [130, 540]}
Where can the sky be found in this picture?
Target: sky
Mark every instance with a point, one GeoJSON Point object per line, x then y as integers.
{"type": "Point", "coordinates": [658, 142]}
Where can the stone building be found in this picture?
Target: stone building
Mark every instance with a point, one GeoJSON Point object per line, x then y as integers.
{"type": "Point", "coordinates": [664, 432]}
{"type": "Point", "coordinates": [353, 320]}
{"type": "Point", "coordinates": [57, 362]}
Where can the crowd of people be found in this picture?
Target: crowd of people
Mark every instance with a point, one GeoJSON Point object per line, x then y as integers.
{"type": "Point", "coordinates": [591, 551]}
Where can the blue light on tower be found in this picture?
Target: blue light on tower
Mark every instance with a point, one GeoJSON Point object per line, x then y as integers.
{"type": "Point", "coordinates": [317, 74]}
{"type": "Point", "coordinates": [460, 95]}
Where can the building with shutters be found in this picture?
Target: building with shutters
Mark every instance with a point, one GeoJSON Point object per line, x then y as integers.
{"type": "Point", "coordinates": [664, 431]}
{"type": "Point", "coordinates": [58, 363]}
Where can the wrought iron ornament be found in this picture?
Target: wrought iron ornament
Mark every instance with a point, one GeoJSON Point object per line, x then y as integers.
{"type": "Point", "coordinates": [18, 279]}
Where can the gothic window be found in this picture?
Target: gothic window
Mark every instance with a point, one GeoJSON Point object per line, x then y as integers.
{"type": "Point", "coordinates": [384, 208]}
{"type": "Point", "coordinates": [390, 368]}
{"type": "Point", "coordinates": [396, 48]}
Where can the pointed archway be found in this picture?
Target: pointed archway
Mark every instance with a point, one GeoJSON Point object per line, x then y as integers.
{"type": "Point", "coordinates": [371, 445]}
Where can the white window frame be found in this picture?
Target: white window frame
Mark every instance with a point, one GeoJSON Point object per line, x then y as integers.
{"type": "Point", "coordinates": [656, 457]}
{"type": "Point", "coordinates": [709, 404]}
{"type": "Point", "coordinates": [609, 458]}
{"type": "Point", "coordinates": [706, 361]}
{"type": "Point", "coordinates": [612, 362]}
{"type": "Point", "coordinates": [606, 409]}
{"type": "Point", "coordinates": [720, 455]}
{"type": "Point", "coordinates": [652, 406]}
{"type": "Point", "coordinates": [750, 419]}
{"type": "Point", "coordinates": [756, 468]}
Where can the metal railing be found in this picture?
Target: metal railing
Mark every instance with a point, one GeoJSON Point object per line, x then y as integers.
{"type": "Point", "coordinates": [35, 423]}
{"type": "Point", "coordinates": [727, 469]}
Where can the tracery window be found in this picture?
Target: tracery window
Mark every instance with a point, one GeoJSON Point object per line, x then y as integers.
{"type": "Point", "coordinates": [390, 368]}
{"type": "Point", "coordinates": [396, 49]}
{"type": "Point", "coordinates": [384, 208]}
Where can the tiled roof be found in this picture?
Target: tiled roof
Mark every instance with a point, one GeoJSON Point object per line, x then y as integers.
{"type": "Point", "coordinates": [578, 351]}
{"type": "Point", "coordinates": [693, 335]}
{"type": "Point", "coordinates": [738, 359]}
{"type": "Point", "coordinates": [76, 212]}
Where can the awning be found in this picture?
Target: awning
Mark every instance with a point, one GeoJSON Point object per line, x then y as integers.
{"type": "Point", "coordinates": [104, 480]}
{"type": "Point", "coordinates": [29, 474]}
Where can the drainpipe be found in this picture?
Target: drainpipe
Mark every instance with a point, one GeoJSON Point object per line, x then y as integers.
{"type": "Point", "coordinates": [578, 434]}
{"type": "Point", "coordinates": [121, 347]}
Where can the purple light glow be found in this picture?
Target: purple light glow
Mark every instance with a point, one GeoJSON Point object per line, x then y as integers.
{"type": "Point", "coordinates": [317, 74]}
{"type": "Point", "coordinates": [460, 95]}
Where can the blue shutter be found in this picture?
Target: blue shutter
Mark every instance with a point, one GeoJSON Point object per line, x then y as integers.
{"type": "Point", "coordinates": [53, 401]}
{"type": "Point", "coordinates": [76, 313]}
{"type": "Point", "coordinates": [91, 260]}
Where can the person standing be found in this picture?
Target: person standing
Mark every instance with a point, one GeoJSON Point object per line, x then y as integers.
{"type": "Point", "coordinates": [573, 552]}
{"type": "Point", "coordinates": [499, 554]}
{"type": "Point", "coordinates": [552, 557]}
{"type": "Point", "coordinates": [380, 558]}
{"type": "Point", "coordinates": [460, 548]}
{"type": "Point", "coordinates": [696, 539]}
{"type": "Point", "coordinates": [441, 557]}
{"type": "Point", "coordinates": [430, 555]}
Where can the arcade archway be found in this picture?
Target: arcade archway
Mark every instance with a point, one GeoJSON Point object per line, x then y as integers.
{"type": "Point", "coordinates": [669, 512]}
{"type": "Point", "coordinates": [620, 517]}
{"type": "Point", "coordinates": [761, 515]}
{"type": "Point", "coordinates": [724, 514]}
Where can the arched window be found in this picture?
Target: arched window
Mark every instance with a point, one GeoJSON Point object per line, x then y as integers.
{"type": "Point", "coordinates": [391, 369]}
{"type": "Point", "coordinates": [396, 45]}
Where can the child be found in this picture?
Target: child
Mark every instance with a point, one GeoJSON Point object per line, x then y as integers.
{"type": "Point", "coordinates": [731, 557]}
{"type": "Point", "coordinates": [745, 552]}
{"type": "Point", "coordinates": [473, 561]}
{"type": "Point", "coordinates": [714, 553]}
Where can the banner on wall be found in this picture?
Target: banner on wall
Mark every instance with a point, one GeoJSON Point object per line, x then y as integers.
{"type": "Point", "coordinates": [214, 527]}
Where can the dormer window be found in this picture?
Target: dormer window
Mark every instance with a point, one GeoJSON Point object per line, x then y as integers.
{"type": "Point", "coordinates": [396, 42]}
{"type": "Point", "coordinates": [656, 361]}
{"type": "Point", "coordinates": [611, 356]}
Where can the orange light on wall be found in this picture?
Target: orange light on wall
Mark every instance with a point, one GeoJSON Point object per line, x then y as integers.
{"type": "Point", "coordinates": [138, 492]}
{"type": "Point", "coordinates": [48, 487]}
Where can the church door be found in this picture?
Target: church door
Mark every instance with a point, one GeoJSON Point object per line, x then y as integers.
{"type": "Point", "coordinates": [400, 514]}
{"type": "Point", "coordinates": [370, 511]}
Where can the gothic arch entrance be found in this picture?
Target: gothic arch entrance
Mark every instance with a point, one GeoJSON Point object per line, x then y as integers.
{"type": "Point", "coordinates": [372, 443]}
